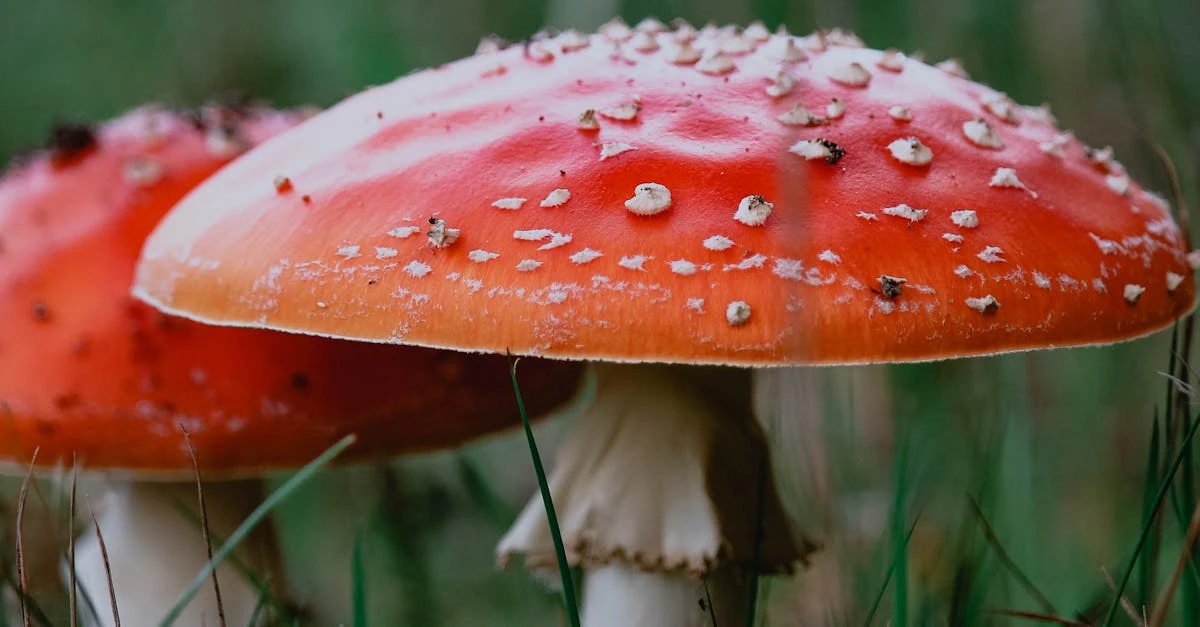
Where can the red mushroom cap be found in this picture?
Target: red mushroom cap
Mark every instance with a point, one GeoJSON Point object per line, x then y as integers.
{"type": "Point", "coordinates": [87, 371]}
{"type": "Point", "coordinates": [698, 197]}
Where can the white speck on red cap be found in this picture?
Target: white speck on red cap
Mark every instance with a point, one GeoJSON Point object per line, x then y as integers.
{"type": "Point", "coordinates": [904, 211]}
{"type": "Point", "coordinates": [781, 84]}
{"type": "Point", "coordinates": [982, 134]}
{"type": "Point", "coordinates": [828, 256]}
{"type": "Point", "coordinates": [718, 242]}
{"type": "Point", "coordinates": [683, 267]}
{"type": "Point", "coordinates": [1133, 293]}
{"type": "Point", "coordinates": [836, 108]}
{"type": "Point", "coordinates": [556, 198]}
{"type": "Point", "coordinates": [528, 265]}
{"type": "Point", "coordinates": [649, 199]}
{"type": "Point", "coordinates": [1007, 177]}
{"type": "Point", "coordinates": [737, 313]}
{"type": "Point", "coordinates": [985, 304]}
{"type": "Point", "coordinates": [991, 254]}
{"type": "Point", "coordinates": [716, 63]}
{"type": "Point", "coordinates": [349, 252]}
{"type": "Point", "coordinates": [1001, 106]}
{"type": "Point", "coordinates": [416, 269]}
{"type": "Point", "coordinates": [584, 256]}
{"type": "Point", "coordinates": [612, 149]}
{"type": "Point", "coordinates": [901, 113]}
{"type": "Point", "coordinates": [625, 111]}
{"type": "Point", "coordinates": [891, 60]}
{"type": "Point", "coordinates": [753, 210]}
{"type": "Point", "coordinates": [911, 151]}
{"type": "Point", "coordinates": [954, 238]}
{"type": "Point", "coordinates": [404, 231]}
{"type": "Point", "coordinates": [965, 218]}
{"type": "Point", "coordinates": [851, 74]}
{"type": "Point", "coordinates": [633, 262]}
{"type": "Point", "coordinates": [480, 255]}
{"type": "Point", "coordinates": [1173, 281]}
{"type": "Point", "coordinates": [509, 203]}
{"type": "Point", "coordinates": [799, 115]}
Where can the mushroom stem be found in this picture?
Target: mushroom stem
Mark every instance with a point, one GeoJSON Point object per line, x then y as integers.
{"type": "Point", "coordinates": [155, 550]}
{"type": "Point", "coordinates": [617, 594]}
{"type": "Point", "coordinates": [663, 484]}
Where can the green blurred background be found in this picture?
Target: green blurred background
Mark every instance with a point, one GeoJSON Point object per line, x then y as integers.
{"type": "Point", "coordinates": [1053, 446]}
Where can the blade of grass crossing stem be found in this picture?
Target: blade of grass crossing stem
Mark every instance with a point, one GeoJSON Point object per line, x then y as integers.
{"type": "Point", "coordinates": [20, 556]}
{"type": "Point", "coordinates": [108, 578]}
{"type": "Point", "coordinates": [1159, 496]}
{"type": "Point", "coordinates": [1146, 571]}
{"type": "Point", "coordinates": [204, 528]}
{"type": "Point", "coordinates": [72, 585]}
{"type": "Point", "coordinates": [887, 578]}
{"type": "Point", "coordinates": [295, 481]}
{"type": "Point", "coordinates": [257, 581]}
{"type": "Point", "coordinates": [899, 541]}
{"type": "Point", "coordinates": [564, 569]}
{"type": "Point", "coordinates": [259, 608]}
{"type": "Point", "coordinates": [358, 582]}
{"type": "Point", "coordinates": [1006, 560]}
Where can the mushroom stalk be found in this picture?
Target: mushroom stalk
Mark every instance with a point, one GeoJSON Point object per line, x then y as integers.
{"type": "Point", "coordinates": [666, 499]}
{"type": "Point", "coordinates": [155, 550]}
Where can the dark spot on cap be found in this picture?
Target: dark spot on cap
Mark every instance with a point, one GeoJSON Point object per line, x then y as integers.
{"type": "Point", "coordinates": [300, 381]}
{"type": "Point", "coordinates": [306, 199]}
{"type": "Point", "coordinates": [890, 286]}
{"type": "Point", "coordinates": [836, 152]}
{"type": "Point", "coordinates": [40, 311]}
{"type": "Point", "coordinates": [82, 347]}
{"type": "Point", "coordinates": [68, 401]}
{"type": "Point", "coordinates": [71, 141]}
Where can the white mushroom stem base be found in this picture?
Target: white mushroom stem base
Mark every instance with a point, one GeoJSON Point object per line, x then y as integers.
{"type": "Point", "coordinates": [155, 550]}
{"type": "Point", "coordinates": [662, 487]}
{"type": "Point", "coordinates": [617, 594]}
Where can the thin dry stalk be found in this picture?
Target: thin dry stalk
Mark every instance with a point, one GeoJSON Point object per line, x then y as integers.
{"type": "Point", "coordinates": [1126, 605]}
{"type": "Point", "coordinates": [112, 590]}
{"type": "Point", "coordinates": [1038, 617]}
{"type": "Point", "coordinates": [1164, 604]}
{"type": "Point", "coordinates": [26, 619]}
{"type": "Point", "coordinates": [74, 590]}
{"type": "Point", "coordinates": [204, 529]}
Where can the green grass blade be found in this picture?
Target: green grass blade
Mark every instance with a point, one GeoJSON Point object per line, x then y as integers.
{"type": "Point", "coordinates": [358, 582]}
{"type": "Point", "coordinates": [564, 569]}
{"type": "Point", "coordinates": [252, 521]}
{"type": "Point", "coordinates": [887, 578]}
{"type": "Point", "coordinates": [899, 541]}
{"type": "Point", "coordinates": [1160, 495]}
{"type": "Point", "coordinates": [1146, 574]}
{"type": "Point", "coordinates": [259, 607]}
{"type": "Point", "coordinates": [480, 492]}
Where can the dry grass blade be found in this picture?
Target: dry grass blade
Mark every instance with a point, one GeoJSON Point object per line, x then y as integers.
{"type": "Point", "coordinates": [204, 528]}
{"type": "Point", "coordinates": [73, 588]}
{"type": "Point", "coordinates": [1038, 617]}
{"type": "Point", "coordinates": [112, 589]}
{"type": "Point", "coordinates": [1126, 605]}
{"type": "Point", "coordinates": [998, 548]}
{"type": "Point", "coordinates": [20, 556]}
{"type": "Point", "coordinates": [1193, 531]}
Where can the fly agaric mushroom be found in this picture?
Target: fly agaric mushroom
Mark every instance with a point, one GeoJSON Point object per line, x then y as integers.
{"type": "Point", "coordinates": [690, 198]}
{"type": "Point", "coordinates": [87, 374]}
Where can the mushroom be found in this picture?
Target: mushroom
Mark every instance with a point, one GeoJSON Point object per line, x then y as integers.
{"type": "Point", "coordinates": [700, 235]}
{"type": "Point", "coordinates": [90, 376]}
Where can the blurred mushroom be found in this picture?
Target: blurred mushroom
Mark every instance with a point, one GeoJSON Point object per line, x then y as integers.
{"type": "Point", "coordinates": [87, 374]}
{"type": "Point", "coordinates": [693, 198]}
